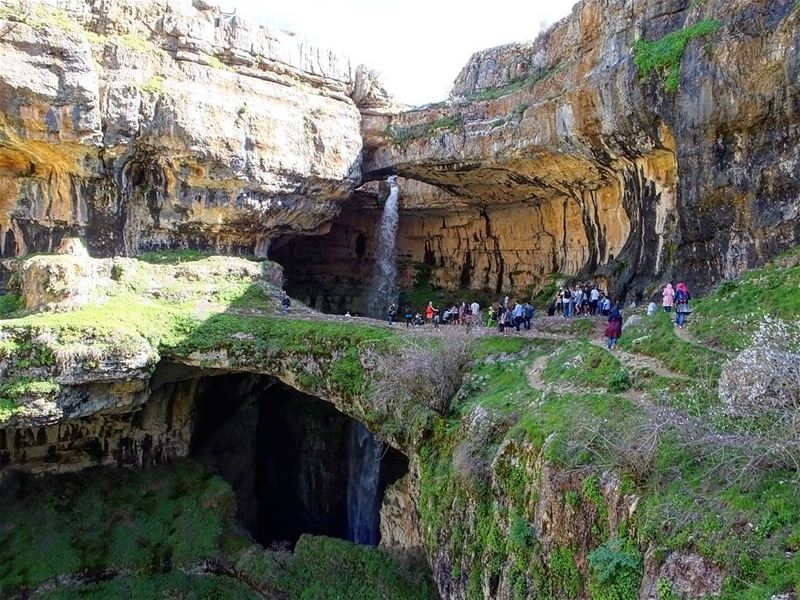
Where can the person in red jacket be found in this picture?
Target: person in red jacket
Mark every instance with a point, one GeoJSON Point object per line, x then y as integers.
{"type": "Point", "coordinates": [614, 328]}
{"type": "Point", "coordinates": [429, 312]}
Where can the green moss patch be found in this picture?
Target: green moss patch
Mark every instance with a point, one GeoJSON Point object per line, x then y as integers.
{"type": "Point", "coordinates": [666, 54]}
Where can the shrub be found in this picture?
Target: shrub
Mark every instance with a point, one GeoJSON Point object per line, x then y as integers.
{"type": "Point", "coordinates": [425, 375]}
{"type": "Point", "coordinates": [666, 53]}
{"type": "Point", "coordinates": [619, 381]}
{"type": "Point", "coordinates": [760, 394]}
{"type": "Point", "coordinates": [616, 570]}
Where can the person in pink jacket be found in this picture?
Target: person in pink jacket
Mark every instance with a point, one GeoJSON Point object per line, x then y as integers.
{"type": "Point", "coordinates": [669, 297]}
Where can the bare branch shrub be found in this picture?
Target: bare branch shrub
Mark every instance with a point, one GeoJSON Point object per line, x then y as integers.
{"type": "Point", "coordinates": [629, 446]}
{"type": "Point", "coordinates": [422, 375]}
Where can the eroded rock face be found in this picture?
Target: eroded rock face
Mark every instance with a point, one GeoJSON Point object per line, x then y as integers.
{"type": "Point", "coordinates": [152, 124]}
{"type": "Point", "coordinates": [697, 183]}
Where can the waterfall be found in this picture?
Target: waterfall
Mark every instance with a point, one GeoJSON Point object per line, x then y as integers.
{"type": "Point", "coordinates": [383, 290]}
{"type": "Point", "coordinates": [363, 510]}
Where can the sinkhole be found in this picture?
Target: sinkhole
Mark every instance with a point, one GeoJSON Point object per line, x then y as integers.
{"type": "Point", "coordinates": [296, 463]}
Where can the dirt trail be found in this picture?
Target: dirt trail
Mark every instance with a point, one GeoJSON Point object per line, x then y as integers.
{"type": "Point", "coordinates": [659, 414]}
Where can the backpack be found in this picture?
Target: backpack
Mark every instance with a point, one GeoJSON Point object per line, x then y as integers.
{"type": "Point", "coordinates": [680, 297]}
{"type": "Point", "coordinates": [567, 294]}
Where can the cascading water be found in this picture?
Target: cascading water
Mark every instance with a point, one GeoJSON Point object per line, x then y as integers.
{"type": "Point", "coordinates": [384, 285]}
{"type": "Point", "coordinates": [363, 486]}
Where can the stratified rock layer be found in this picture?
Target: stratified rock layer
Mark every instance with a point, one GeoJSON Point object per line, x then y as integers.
{"type": "Point", "coordinates": [154, 124]}
{"type": "Point", "coordinates": [579, 165]}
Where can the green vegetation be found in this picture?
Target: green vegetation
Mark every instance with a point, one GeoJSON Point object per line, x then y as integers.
{"type": "Point", "coordinates": [655, 336]}
{"type": "Point", "coordinates": [154, 85]}
{"type": "Point", "coordinates": [13, 394]}
{"type": "Point", "coordinates": [728, 317]}
{"type": "Point", "coordinates": [180, 303]}
{"type": "Point", "coordinates": [399, 135]}
{"type": "Point", "coordinates": [582, 363]}
{"type": "Point", "coordinates": [153, 531]}
{"type": "Point", "coordinates": [666, 53]}
{"type": "Point", "coordinates": [516, 85]}
{"type": "Point", "coordinates": [42, 17]}
{"type": "Point", "coordinates": [9, 303]}
{"type": "Point", "coordinates": [616, 569]}
{"type": "Point", "coordinates": [424, 291]}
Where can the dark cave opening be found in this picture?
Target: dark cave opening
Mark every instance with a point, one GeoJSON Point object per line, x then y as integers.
{"type": "Point", "coordinates": [289, 457]}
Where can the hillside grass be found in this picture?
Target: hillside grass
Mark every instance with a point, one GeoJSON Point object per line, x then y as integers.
{"type": "Point", "coordinates": [729, 316]}
{"type": "Point", "coordinates": [655, 336]}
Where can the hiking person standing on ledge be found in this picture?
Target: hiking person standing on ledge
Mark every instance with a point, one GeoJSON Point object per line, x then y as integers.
{"type": "Point", "coordinates": [682, 297]}
{"type": "Point", "coordinates": [614, 328]}
{"type": "Point", "coordinates": [392, 313]}
{"type": "Point", "coordinates": [285, 303]}
{"type": "Point", "coordinates": [669, 297]}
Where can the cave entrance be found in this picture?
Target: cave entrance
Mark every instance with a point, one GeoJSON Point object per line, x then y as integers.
{"type": "Point", "coordinates": [297, 464]}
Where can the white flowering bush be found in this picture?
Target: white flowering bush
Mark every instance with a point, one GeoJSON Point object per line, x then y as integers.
{"type": "Point", "coordinates": [764, 379]}
{"type": "Point", "coordinates": [760, 394]}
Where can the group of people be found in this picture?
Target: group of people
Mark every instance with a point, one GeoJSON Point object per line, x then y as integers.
{"type": "Point", "coordinates": [461, 314]}
{"type": "Point", "coordinates": [676, 298]}
{"type": "Point", "coordinates": [580, 300]}
{"type": "Point", "coordinates": [510, 314]}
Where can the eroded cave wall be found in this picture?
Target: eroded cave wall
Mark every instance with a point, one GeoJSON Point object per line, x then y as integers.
{"type": "Point", "coordinates": [707, 165]}
{"type": "Point", "coordinates": [161, 125]}
{"type": "Point", "coordinates": [510, 247]}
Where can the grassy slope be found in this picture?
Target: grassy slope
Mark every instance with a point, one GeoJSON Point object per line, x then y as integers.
{"type": "Point", "coordinates": [157, 529]}
{"type": "Point", "coordinates": [727, 317]}
{"type": "Point", "coordinates": [693, 498]}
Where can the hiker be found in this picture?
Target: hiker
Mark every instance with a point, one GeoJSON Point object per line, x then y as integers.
{"type": "Point", "coordinates": [651, 309]}
{"type": "Point", "coordinates": [490, 322]}
{"type": "Point", "coordinates": [594, 298]}
{"type": "Point", "coordinates": [501, 318]}
{"type": "Point", "coordinates": [436, 318]}
{"type": "Point", "coordinates": [552, 309]}
{"type": "Point", "coordinates": [392, 313]}
{"type": "Point", "coordinates": [462, 313]}
{"type": "Point", "coordinates": [528, 316]}
{"type": "Point", "coordinates": [585, 301]}
{"type": "Point", "coordinates": [475, 309]}
{"type": "Point", "coordinates": [409, 316]}
{"type": "Point", "coordinates": [669, 297]}
{"type": "Point", "coordinates": [559, 308]}
{"type": "Point", "coordinates": [418, 322]}
{"type": "Point", "coordinates": [519, 314]}
{"type": "Point", "coordinates": [285, 303]}
{"type": "Point", "coordinates": [577, 299]}
{"type": "Point", "coordinates": [429, 312]}
{"type": "Point", "coordinates": [682, 310]}
{"type": "Point", "coordinates": [606, 306]}
{"type": "Point", "coordinates": [614, 328]}
{"type": "Point", "coordinates": [567, 301]}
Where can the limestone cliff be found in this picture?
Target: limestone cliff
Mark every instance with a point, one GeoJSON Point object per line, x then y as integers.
{"type": "Point", "coordinates": [570, 157]}
{"type": "Point", "coordinates": [157, 124]}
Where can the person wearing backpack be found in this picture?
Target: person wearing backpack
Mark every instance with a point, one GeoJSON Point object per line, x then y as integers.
{"type": "Point", "coordinates": [614, 328]}
{"type": "Point", "coordinates": [285, 303]}
{"type": "Point", "coordinates": [567, 300]}
{"type": "Point", "coordinates": [682, 310]}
